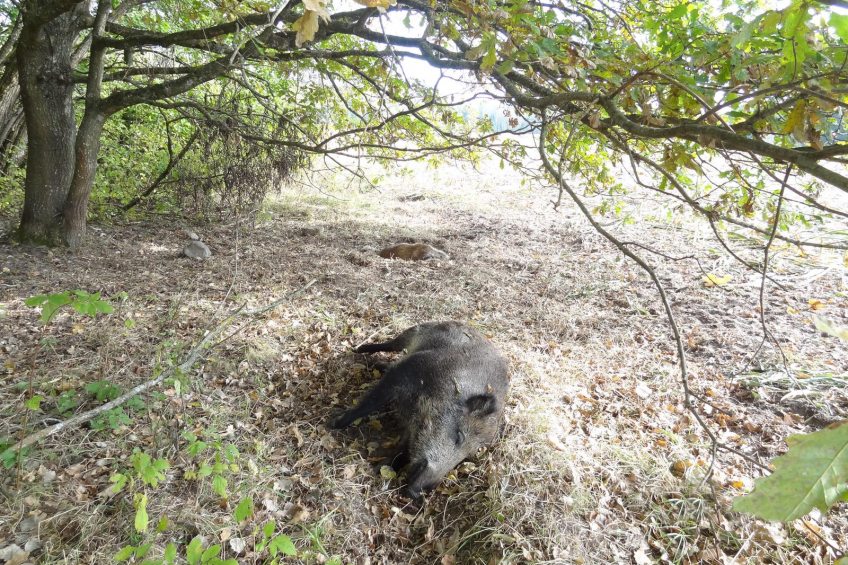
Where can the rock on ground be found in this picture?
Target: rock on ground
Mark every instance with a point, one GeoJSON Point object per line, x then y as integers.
{"type": "Point", "coordinates": [197, 250]}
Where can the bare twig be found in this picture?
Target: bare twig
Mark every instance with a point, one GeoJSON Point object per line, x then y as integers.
{"type": "Point", "coordinates": [766, 333]}
{"type": "Point", "coordinates": [193, 356]}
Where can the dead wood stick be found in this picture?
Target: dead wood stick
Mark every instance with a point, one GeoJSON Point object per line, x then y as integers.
{"type": "Point", "coordinates": [190, 359]}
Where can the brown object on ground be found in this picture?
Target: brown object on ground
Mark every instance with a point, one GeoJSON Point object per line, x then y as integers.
{"type": "Point", "coordinates": [413, 252]}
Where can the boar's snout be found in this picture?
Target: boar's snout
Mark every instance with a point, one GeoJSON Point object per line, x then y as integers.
{"type": "Point", "coordinates": [422, 478]}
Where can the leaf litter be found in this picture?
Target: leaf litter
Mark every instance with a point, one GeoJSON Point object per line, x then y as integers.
{"type": "Point", "coordinates": [598, 460]}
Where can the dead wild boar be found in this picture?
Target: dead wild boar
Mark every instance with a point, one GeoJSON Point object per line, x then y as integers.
{"type": "Point", "coordinates": [413, 252]}
{"type": "Point", "coordinates": [449, 388]}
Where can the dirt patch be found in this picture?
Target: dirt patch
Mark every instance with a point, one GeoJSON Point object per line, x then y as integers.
{"type": "Point", "coordinates": [599, 461]}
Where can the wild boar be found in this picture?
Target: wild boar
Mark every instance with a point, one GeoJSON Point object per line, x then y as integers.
{"type": "Point", "coordinates": [413, 252]}
{"type": "Point", "coordinates": [450, 388]}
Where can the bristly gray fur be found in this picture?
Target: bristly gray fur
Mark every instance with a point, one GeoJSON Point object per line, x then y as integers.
{"type": "Point", "coordinates": [450, 389]}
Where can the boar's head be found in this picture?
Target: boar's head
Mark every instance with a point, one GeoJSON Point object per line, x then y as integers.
{"type": "Point", "coordinates": [441, 434]}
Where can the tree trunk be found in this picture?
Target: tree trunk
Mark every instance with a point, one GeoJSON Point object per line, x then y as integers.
{"type": "Point", "coordinates": [47, 85]}
{"type": "Point", "coordinates": [87, 148]}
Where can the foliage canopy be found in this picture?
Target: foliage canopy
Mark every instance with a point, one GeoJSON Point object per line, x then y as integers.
{"type": "Point", "coordinates": [709, 103]}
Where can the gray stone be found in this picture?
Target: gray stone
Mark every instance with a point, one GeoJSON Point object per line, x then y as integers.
{"type": "Point", "coordinates": [33, 544]}
{"type": "Point", "coordinates": [29, 524]}
{"type": "Point", "coordinates": [197, 250]}
{"type": "Point", "coordinates": [10, 551]}
{"type": "Point", "coordinates": [48, 477]}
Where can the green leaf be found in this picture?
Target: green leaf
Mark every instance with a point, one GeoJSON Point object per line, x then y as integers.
{"type": "Point", "coordinates": [830, 328]}
{"type": "Point", "coordinates": [268, 529]}
{"type": "Point", "coordinates": [125, 553]}
{"type": "Point", "coordinates": [282, 544]}
{"type": "Point", "coordinates": [196, 448]}
{"type": "Point", "coordinates": [58, 299]}
{"type": "Point", "coordinates": [211, 551]}
{"type": "Point", "coordinates": [170, 553]}
{"type": "Point", "coordinates": [35, 300]}
{"type": "Point", "coordinates": [194, 550]}
{"type": "Point", "coordinates": [490, 58]}
{"type": "Point", "coordinates": [506, 66]}
{"type": "Point", "coordinates": [840, 24]}
{"type": "Point", "coordinates": [678, 12]}
{"type": "Point", "coordinates": [103, 306]}
{"type": "Point", "coordinates": [54, 302]}
{"type": "Point", "coordinates": [142, 550]}
{"type": "Point", "coordinates": [141, 518]}
{"type": "Point", "coordinates": [812, 474]}
{"type": "Point", "coordinates": [244, 509]}
{"type": "Point", "coordinates": [80, 306]}
{"type": "Point", "coordinates": [120, 481]}
{"type": "Point", "coordinates": [744, 35]}
{"type": "Point", "coordinates": [163, 523]}
{"type": "Point", "coordinates": [219, 485]}
{"type": "Point", "coordinates": [34, 402]}
{"type": "Point", "coordinates": [387, 472]}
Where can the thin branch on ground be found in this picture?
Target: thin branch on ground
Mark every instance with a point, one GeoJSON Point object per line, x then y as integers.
{"type": "Point", "coordinates": [194, 355]}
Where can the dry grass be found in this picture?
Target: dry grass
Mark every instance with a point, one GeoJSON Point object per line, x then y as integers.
{"type": "Point", "coordinates": [598, 463]}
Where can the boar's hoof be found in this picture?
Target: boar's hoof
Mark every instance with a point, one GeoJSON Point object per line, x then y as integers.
{"type": "Point", "coordinates": [336, 422]}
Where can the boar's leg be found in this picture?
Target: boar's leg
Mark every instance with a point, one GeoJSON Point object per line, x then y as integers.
{"type": "Point", "coordinates": [374, 398]}
{"type": "Point", "coordinates": [399, 457]}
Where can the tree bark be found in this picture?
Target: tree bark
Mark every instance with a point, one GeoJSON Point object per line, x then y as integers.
{"type": "Point", "coordinates": [47, 83]}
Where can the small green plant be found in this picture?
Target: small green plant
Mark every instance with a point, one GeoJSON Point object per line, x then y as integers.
{"type": "Point", "coordinates": [9, 457]}
{"type": "Point", "coordinates": [281, 544]}
{"type": "Point", "coordinates": [148, 472]}
{"type": "Point", "coordinates": [223, 460]}
{"type": "Point", "coordinates": [195, 554]}
{"type": "Point", "coordinates": [104, 391]}
{"type": "Point", "coordinates": [81, 301]}
{"type": "Point", "coordinates": [66, 402]}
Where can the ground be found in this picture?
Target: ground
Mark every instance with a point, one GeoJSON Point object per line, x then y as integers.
{"type": "Point", "coordinates": [599, 461]}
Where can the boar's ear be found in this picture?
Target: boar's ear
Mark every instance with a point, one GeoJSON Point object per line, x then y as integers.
{"type": "Point", "coordinates": [481, 404]}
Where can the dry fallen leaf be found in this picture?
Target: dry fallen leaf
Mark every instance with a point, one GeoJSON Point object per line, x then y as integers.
{"type": "Point", "coordinates": [642, 390]}
{"type": "Point", "coordinates": [328, 442]}
{"type": "Point", "coordinates": [556, 443]}
{"type": "Point", "coordinates": [237, 545]}
{"type": "Point", "coordinates": [711, 280]}
{"type": "Point", "coordinates": [296, 433]}
{"type": "Point", "coordinates": [75, 470]}
{"type": "Point", "coordinates": [641, 557]}
{"type": "Point", "coordinates": [816, 304]}
{"type": "Point", "coordinates": [769, 533]}
{"type": "Point", "coordinates": [296, 513]}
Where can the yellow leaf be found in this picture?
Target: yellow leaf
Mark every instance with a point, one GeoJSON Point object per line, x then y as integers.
{"type": "Point", "coordinates": [77, 329]}
{"type": "Point", "coordinates": [792, 310]}
{"type": "Point", "coordinates": [306, 27]}
{"type": "Point", "coordinates": [714, 280]}
{"type": "Point", "coordinates": [816, 304]}
{"type": "Point", "coordinates": [381, 5]}
{"type": "Point", "coordinates": [796, 117]}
